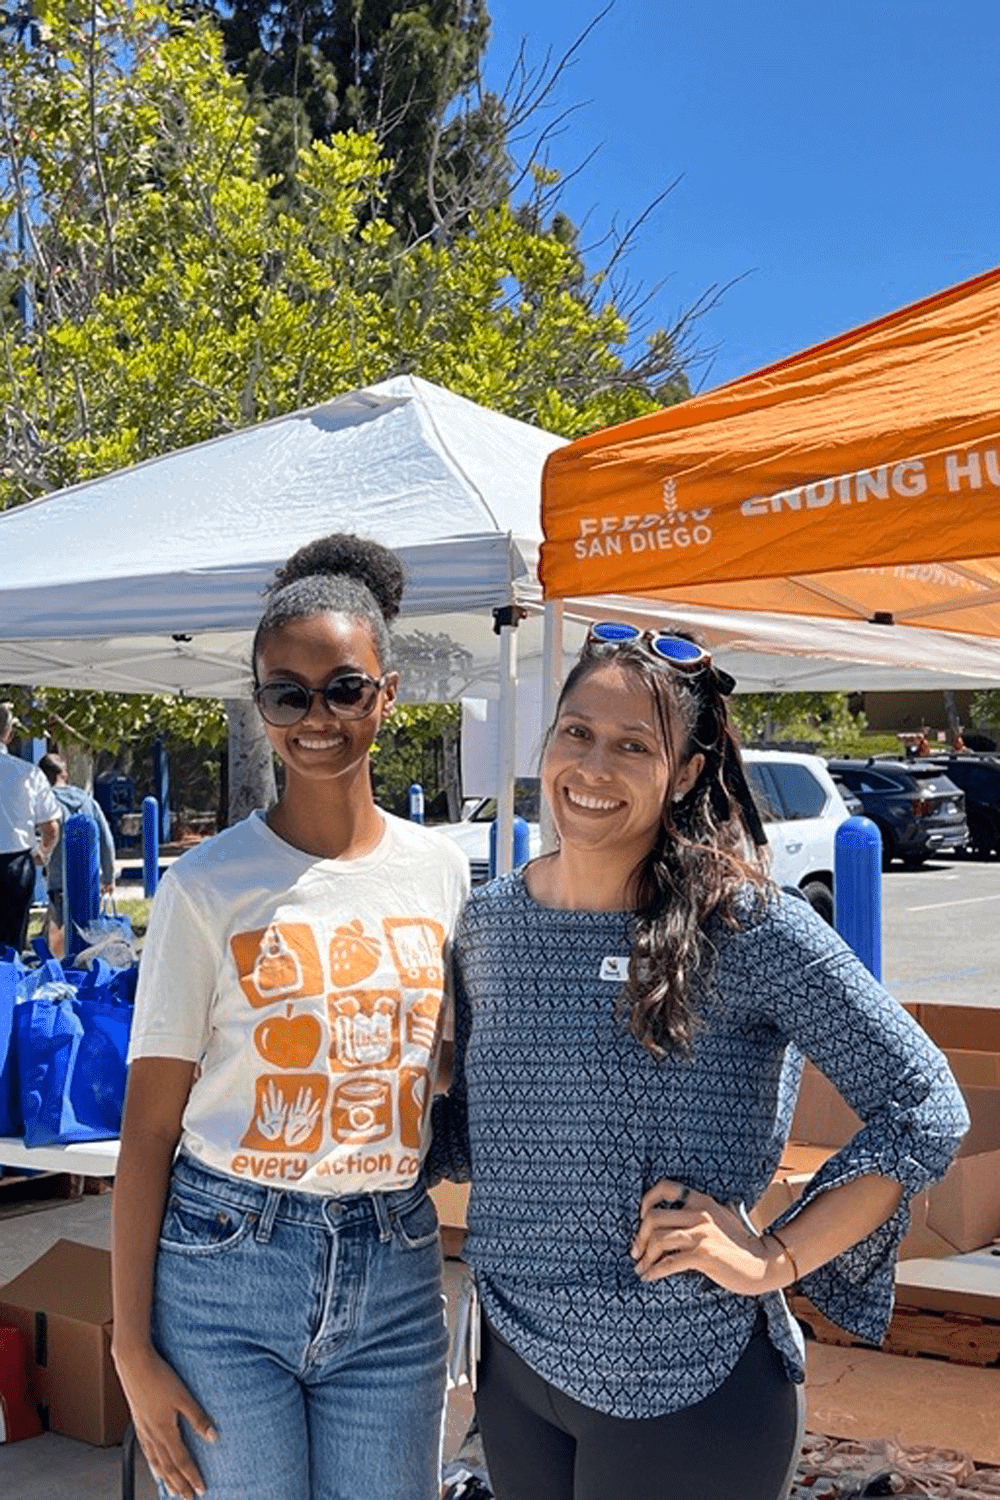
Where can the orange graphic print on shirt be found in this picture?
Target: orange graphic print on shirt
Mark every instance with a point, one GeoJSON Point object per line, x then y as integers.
{"type": "Point", "coordinates": [364, 1029]}
{"type": "Point", "coordinates": [414, 1097]}
{"type": "Point", "coordinates": [362, 1111]}
{"type": "Point", "coordinates": [288, 1041]}
{"type": "Point", "coordinates": [278, 962]}
{"type": "Point", "coordinates": [423, 1022]}
{"type": "Point", "coordinates": [353, 955]}
{"type": "Point", "coordinates": [415, 944]}
{"type": "Point", "coordinates": [288, 1112]}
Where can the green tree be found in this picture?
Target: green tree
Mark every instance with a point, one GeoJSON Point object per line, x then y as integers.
{"type": "Point", "coordinates": [821, 721]}
{"type": "Point", "coordinates": [176, 296]}
{"type": "Point", "coordinates": [406, 73]}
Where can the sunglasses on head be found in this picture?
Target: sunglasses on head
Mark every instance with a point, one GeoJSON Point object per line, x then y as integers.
{"type": "Point", "coordinates": [351, 695]}
{"type": "Point", "coordinates": [674, 651]}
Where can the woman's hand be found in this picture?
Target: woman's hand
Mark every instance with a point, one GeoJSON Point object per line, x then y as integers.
{"type": "Point", "coordinates": [157, 1398]}
{"type": "Point", "coordinates": [700, 1234]}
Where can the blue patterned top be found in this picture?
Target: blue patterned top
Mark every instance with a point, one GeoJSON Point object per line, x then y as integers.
{"type": "Point", "coordinates": [563, 1120]}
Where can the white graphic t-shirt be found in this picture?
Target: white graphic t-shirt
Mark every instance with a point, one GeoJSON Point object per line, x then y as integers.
{"type": "Point", "coordinates": [312, 994]}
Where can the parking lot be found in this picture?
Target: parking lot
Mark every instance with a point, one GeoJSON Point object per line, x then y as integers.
{"type": "Point", "coordinates": [941, 931]}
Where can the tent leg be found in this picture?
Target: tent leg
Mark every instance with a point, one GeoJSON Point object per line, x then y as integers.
{"type": "Point", "coordinates": [506, 622]}
{"type": "Point", "coordinates": [552, 677]}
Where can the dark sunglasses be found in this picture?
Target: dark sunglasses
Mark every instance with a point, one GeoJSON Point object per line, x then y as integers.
{"type": "Point", "coordinates": [674, 651]}
{"type": "Point", "coordinates": [352, 695]}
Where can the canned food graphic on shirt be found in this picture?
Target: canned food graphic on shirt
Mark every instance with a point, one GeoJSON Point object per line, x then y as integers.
{"type": "Point", "coordinates": [415, 944]}
{"type": "Point", "coordinates": [362, 1110]}
{"type": "Point", "coordinates": [277, 962]}
{"type": "Point", "coordinates": [414, 1094]}
{"type": "Point", "coordinates": [364, 1028]}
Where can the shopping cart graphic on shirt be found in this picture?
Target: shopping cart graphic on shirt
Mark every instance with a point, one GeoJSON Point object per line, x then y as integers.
{"type": "Point", "coordinates": [416, 944]}
{"type": "Point", "coordinates": [277, 962]}
{"type": "Point", "coordinates": [364, 1028]}
{"type": "Point", "coordinates": [288, 1113]}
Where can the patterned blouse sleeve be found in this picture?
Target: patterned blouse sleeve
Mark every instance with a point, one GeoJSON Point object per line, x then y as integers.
{"type": "Point", "coordinates": [449, 1154]}
{"type": "Point", "coordinates": [823, 999]}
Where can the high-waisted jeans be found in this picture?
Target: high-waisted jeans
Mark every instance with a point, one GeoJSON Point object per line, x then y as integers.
{"type": "Point", "coordinates": [312, 1331]}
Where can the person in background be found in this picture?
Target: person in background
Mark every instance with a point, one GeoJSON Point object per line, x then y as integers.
{"type": "Point", "coordinates": [278, 1281]}
{"type": "Point", "coordinates": [29, 827]}
{"type": "Point", "coordinates": [72, 799]}
{"type": "Point", "coordinates": [632, 1012]}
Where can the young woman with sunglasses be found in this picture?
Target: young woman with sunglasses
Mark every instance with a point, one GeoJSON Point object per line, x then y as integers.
{"type": "Point", "coordinates": [630, 1011]}
{"type": "Point", "coordinates": [278, 1317]}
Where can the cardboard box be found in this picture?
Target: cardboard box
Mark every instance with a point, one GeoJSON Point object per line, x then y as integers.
{"type": "Point", "coordinates": [871, 1396]}
{"type": "Point", "coordinates": [966, 1284]}
{"type": "Point", "coordinates": [962, 1212]}
{"type": "Point", "coordinates": [62, 1304]}
{"type": "Point", "coordinates": [451, 1200]}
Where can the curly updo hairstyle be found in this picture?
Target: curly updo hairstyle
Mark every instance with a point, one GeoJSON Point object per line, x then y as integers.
{"type": "Point", "coordinates": [342, 574]}
{"type": "Point", "coordinates": [703, 864]}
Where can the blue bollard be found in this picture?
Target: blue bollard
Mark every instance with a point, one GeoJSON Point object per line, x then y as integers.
{"type": "Point", "coordinates": [857, 890]}
{"type": "Point", "coordinates": [161, 781]}
{"type": "Point", "coordinates": [520, 845]}
{"type": "Point", "coordinates": [150, 845]}
{"type": "Point", "coordinates": [416, 796]}
{"type": "Point", "coordinates": [81, 881]}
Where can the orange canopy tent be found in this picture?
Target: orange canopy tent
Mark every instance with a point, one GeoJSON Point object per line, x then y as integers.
{"type": "Point", "coordinates": [859, 479]}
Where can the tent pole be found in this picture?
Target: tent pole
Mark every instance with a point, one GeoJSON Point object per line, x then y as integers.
{"type": "Point", "coordinates": [505, 623]}
{"type": "Point", "coordinates": [552, 677]}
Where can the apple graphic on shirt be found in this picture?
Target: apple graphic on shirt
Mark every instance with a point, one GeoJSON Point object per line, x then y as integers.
{"type": "Point", "coordinates": [288, 1041]}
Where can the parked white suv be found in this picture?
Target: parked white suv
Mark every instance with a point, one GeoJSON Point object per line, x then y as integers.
{"type": "Point", "coordinates": [801, 809]}
{"type": "Point", "coordinates": [798, 801]}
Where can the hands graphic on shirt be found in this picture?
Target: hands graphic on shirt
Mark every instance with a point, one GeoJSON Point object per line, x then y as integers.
{"type": "Point", "coordinates": [293, 1121]}
{"type": "Point", "coordinates": [270, 1121]}
{"type": "Point", "coordinates": [302, 1117]}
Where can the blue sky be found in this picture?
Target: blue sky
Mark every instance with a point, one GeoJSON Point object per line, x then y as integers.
{"type": "Point", "coordinates": [842, 156]}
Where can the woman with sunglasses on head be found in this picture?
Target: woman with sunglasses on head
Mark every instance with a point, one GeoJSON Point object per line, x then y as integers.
{"type": "Point", "coordinates": [630, 1011]}
{"type": "Point", "coordinates": [278, 1317]}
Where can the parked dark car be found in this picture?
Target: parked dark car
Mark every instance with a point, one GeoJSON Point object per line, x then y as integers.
{"type": "Point", "coordinates": [918, 809]}
{"type": "Point", "coordinates": [978, 776]}
{"type": "Point", "coordinates": [852, 801]}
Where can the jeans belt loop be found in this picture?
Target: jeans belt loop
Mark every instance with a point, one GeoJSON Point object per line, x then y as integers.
{"type": "Point", "coordinates": [383, 1218]}
{"type": "Point", "coordinates": [268, 1214]}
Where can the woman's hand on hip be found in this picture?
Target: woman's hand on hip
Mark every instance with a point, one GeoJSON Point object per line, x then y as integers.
{"type": "Point", "coordinates": [157, 1398]}
{"type": "Point", "coordinates": [684, 1230]}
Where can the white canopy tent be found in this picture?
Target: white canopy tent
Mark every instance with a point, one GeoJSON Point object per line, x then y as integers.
{"type": "Point", "coordinates": [150, 579]}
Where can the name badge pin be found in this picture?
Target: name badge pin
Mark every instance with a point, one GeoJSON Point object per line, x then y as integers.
{"type": "Point", "coordinates": [614, 969]}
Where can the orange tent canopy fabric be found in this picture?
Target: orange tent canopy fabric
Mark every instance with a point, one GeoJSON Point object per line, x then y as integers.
{"type": "Point", "coordinates": [858, 479]}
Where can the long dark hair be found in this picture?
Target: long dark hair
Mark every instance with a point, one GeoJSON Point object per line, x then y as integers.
{"type": "Point", "coordinates": [705, 859]}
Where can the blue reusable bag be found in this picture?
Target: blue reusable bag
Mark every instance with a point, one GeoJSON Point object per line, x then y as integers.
{"type": "Point", "coordinates": [72, 1043]}
{"type": "Point", "coordinates": [11, 973]}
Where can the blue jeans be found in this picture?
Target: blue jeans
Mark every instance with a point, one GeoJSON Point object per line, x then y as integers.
{"type": "Point", "coordinates": [311, 1330]}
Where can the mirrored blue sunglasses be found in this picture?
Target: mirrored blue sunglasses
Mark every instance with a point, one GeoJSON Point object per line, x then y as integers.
{"type": "Point", "coordinates": [674, 651]}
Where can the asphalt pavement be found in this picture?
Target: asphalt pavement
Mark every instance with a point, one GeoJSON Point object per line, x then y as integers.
{"type": "Point", "coordinates": [941, 932]}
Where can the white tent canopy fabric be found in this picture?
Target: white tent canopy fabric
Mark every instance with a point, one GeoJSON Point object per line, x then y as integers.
{"type": "Point", "coordinates": [150, 580]}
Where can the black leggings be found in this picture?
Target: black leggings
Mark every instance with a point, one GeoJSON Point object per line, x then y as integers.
{"type": "Point", "coordinates": [17, 886]}
{"type": "Point", "coordinates": [739, 1443]}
